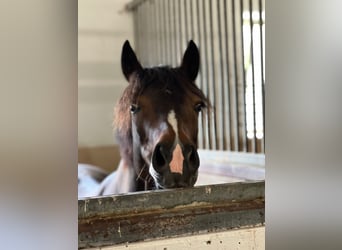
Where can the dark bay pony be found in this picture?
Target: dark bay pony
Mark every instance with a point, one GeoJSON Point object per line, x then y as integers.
{"type": "Point", "coordinates": [156, 122]}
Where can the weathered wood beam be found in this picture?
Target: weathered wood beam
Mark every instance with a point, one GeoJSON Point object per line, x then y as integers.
{"type": "Point", "coordinates": [150, 215]}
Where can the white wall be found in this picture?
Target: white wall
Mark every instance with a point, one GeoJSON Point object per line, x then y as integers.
{"type": "Point", "coordinates": [103, 26]}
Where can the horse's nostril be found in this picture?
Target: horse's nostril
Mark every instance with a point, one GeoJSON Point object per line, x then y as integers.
{"type": "Point", "coordinates": [193, 157]}
{"type": "Point", "coordinates": [158, 157]}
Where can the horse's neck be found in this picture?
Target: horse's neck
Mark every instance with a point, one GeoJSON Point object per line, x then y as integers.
{"type": "Point", "coordinates": [141, 180]}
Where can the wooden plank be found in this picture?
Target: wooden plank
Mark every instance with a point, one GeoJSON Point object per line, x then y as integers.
{"type": "Point", "coordinates": [118, 219]}
{"type": "Point", "coordinates": [239, 239]}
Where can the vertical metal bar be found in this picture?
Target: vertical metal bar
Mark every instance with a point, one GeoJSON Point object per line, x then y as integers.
{"type": "Point", "coordinates": [151, 23]}
{"type": "Point", "coordinates": [186, 30]}
{"type": "Point", "coordinates": [140, 41]}
{"type": "Point", "coordinates": [228, 89]}
{"type": "Point", "coordinates": [213, 90]}
{"type": "Point", "coordinates": [155, 32]}
{"type": "Point", "coordinates": [239, 78]}
{"type": "Point", "coordinates": [206, 71]}
{"type": "Point", "coordinates": [160, 30]}
{"type": "Point", "coordinates": [192, 22]}
{"type": "Point", "coordinates": [180, 39]}
{"type": "Point", "coordinates": [204, 128]}
{"type": "Point", "coordinates": [135, 21]}
{"type": "Point", "coordinates": [262, 72]}
{"type": "Point", "coordinates": [189, 16]}
{"type": "Point", "coordinates": [149, 17]}
{"type": "Point", "coordinates": [174, 35]}
{"type": "Point", "coordinates": [243, 76]}
{"type": "Point", "coordinates": [144, 24]}
{"type": "Point", "coordinates": [236, 104]}
{"type": "Point", "coordinates": [147, 34]}
{"type": "Point", "coordinates": [253, 80]}
{"type": "Point", "coordinates": [164, 32]}
{"type": "Point", "coordinates": [222, 83]}
{"type": "Point", "coordinates": [168, 46]}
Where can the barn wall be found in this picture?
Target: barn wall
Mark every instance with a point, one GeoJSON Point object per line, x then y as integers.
{"type": "Point", "coordinates": [103, 26]}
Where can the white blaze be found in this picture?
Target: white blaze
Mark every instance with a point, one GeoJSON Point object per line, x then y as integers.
{"type": "Point", "coordinates": [176, 164]}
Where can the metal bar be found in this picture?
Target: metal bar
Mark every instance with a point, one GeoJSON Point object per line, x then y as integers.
{"type": "Point", "coordinates": [243, 74]}
{"type": "Point", "coordinates": [144, 55]}
{"type": "Point", "coordinates": [137, 40]}
{"type": "Point", "coordinates": [240, 78]}
{"type": "Point", "coordinates": [213, 78]}
{"type": "Point", "coordinates": [203, 118]}
{"type": "Point", "coordinates": [253, 79]}
{"type": "Point", "coordinates": [186, 30]}
{"type": "Point", "coordinates": [141, 35]}
{"type": "Point", "coordinates": [164, 32]}
{"type": "Point", "coordinates": [207, 90]}
{"type": "Point", "coordinates": [159, 20]}
{"type": "Point", "coordinates": [228, 91]}
{"type": "Point", "coordinates": [191, 21]}
{"type": "Point", "coordinates": [142, 216]}
{"type": "Point", "coordinates": [161, 32]}
{"type": "Point", "coordinates": [174, 33]}
{"type": "Point", "coordinates": [136, 29]}
{"type": "Point", "coordinates": [149, 17]}
{"type": "Point", "coordinates": [223, 120]}
{"type": "Point", "coordinates": [155, 33]}
{"type": "Point", "coordinates": [262, 73]}
{"type": "Point", "coordinates": [168, 31]}
{"type": "Point", "coordinates": [192, 9]}
{"type": "Point", "coordinates": [236, 104]}
{"type": "Point", "coordinates": [180, 40]}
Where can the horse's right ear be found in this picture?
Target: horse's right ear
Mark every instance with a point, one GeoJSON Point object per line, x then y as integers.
{"type": "Point", "coordinates": [129, 61]}
{"type": "Point", "coordinates": [191, 60]}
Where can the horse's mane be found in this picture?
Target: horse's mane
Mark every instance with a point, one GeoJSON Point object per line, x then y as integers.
{"type": "Point", "coordinates": [168, 77]}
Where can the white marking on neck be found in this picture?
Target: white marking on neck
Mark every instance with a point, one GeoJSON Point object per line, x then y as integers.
{"type": "Point", "coordinates": [176, 164]}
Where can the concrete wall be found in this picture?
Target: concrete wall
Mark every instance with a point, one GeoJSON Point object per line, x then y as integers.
{"type": "Point", "coordinates": [103, 26]}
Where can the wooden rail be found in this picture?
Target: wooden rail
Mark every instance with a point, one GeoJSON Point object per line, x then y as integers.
{"type": "Point", "coordinates": [121, 219]}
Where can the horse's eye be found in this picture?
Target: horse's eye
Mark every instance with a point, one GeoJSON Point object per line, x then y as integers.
{"type": "Point", "coordinates": [199, 106]}
{"type": "Point", "coordinates": [134, 108]}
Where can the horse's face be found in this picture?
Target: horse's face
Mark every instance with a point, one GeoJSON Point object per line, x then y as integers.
{"type": "Point", "coordinates": [164, 118]}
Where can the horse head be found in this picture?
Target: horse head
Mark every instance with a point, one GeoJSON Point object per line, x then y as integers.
{"type": "Point", "coordinates": [157, 120]}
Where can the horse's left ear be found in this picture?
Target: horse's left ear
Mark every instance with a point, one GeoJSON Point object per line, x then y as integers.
{"type": "Point", "coordinates": [129, 61]}
{"type": "Point", "coordinates": [191, 60]}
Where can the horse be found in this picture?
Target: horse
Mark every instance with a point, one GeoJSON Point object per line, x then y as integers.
{"type": "Point", "coordinates": [156, 123]}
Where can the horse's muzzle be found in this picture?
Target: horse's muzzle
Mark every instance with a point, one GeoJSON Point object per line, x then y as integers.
{"type": "Point", "coordinates": [175, 166]}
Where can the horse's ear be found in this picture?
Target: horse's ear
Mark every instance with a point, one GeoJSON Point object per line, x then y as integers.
{"type": "Point", "coordinates": [129, 61]}
{"type": "Point", "coordinates": [191, 60]}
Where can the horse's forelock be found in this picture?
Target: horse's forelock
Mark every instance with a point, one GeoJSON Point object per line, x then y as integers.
{"type": "Point", "coordinates": [122, 118]}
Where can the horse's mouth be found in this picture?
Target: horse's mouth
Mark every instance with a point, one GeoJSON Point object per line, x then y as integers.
{"type": "Point", "coordinates": [172, 181]}
{"type": "Point", "coordinates": [159, 186]}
